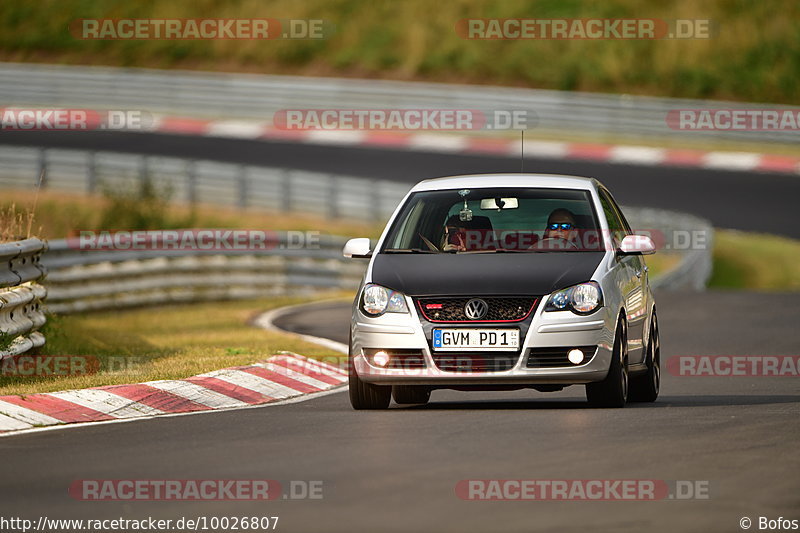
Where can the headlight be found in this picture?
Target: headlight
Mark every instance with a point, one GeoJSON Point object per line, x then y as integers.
{"type": "Point", "coordinates": [377, 300]}
{"type": "Point", "coordinates": [580, 299]}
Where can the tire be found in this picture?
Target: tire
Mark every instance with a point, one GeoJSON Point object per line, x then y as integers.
{"type": "Point", "coordinates": [409, 394]}
{"type": "Point", "coordinates": [645, 388]}
{"type": "Point", "coordinates": [613, 390]}
{"type": "Point", "coordinates": [366, 395]}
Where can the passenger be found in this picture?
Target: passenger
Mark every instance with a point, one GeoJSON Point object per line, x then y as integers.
{"type": "Point", "coordinates": [455, 235]}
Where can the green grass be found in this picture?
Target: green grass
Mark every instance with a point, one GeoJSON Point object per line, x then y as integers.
{"type": "Point", "coordinates": [754, 54]}
{"type": "Point", "coordinates": [661, 263]}
{"type": "Point", "coordinates": [173, 342]}
{"type": "Point", "coordinates": [755, 261]}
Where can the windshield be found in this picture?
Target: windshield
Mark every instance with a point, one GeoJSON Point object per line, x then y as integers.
{"type": "Point", "coordinates": [492, 220]}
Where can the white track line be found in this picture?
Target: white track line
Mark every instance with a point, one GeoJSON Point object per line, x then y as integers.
{"type": "Point", "coordinates": [265, 321]}
{"type": "Point", "coordinates": [237, 129]}
{"type": "Point", "coordinates": [731, 160]}
{"type": "Point", "coordinates": [547, 149]}
{"type": "Point", "coordinates": [438, 143]}
{"type": "Point", "coordinates": [638, 155]}
{"type": "Point", "coordinates": [341, 137]}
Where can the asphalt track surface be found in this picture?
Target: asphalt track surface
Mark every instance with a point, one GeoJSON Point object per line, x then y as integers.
{"type": "Point", "coordinates": [740, 200]}
{"type": "Point", "coordinates": [396, 470]}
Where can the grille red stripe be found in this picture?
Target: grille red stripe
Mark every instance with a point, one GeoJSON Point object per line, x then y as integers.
{"type": "Point", "coordinates": [420, 307]}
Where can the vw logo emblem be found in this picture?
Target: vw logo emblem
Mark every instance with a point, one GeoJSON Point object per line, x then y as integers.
{"type": "Point", "coordinates": [476, 309]}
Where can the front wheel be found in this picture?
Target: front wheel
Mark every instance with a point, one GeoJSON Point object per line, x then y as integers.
{"type": "Point", "coordinates": [365, 395]}
{"type": "Point", "coordinates": [613, 390]}
{"type": "Point", "coordinates": [645, 388]}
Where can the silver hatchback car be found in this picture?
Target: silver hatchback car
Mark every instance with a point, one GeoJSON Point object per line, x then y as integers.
{"type": "Point", "coordinates": [503, 282]}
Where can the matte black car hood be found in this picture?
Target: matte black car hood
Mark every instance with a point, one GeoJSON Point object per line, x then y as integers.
{"type": "Point", "coordinates": [483, 274]}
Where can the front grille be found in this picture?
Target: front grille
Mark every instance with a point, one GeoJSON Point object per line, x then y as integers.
{"type": "Point", "coordinates": [501, 309]}
{"type": "Point", "coordinates": [400, 358]}
{"type": "Point", "coordinates": [557, 357]}
{"type": "Point", "coordinates": [473, 362]}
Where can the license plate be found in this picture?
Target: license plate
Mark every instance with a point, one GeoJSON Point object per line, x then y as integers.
{"type": "Point", "coordinates": [475, 339]}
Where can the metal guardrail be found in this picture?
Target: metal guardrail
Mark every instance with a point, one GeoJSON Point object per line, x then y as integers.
{"type": "Point", "coordinates": [21, 313]}
{"type": "Point", "coordinates": [92, 280]}
{"type": "Point", "coordinates": [697, 235]}
{"type": "Point", "coordinates": [196, 181]}
{"type": "Point", "coordinates": [249, 97]}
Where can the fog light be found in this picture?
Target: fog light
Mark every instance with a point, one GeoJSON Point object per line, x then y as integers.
{"type": "Point", "coordinates": [575, 356]}
{"type": "Point", "coordinates": [382, 358]}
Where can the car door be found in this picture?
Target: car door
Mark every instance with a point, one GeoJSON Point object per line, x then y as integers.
{"type": "Point", "coordinates": [633, 278]}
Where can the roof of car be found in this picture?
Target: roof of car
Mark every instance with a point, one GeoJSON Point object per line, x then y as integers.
{"type": "Point", "coordinates": [477, 181]}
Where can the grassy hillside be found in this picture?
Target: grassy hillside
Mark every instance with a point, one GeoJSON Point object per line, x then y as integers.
{"type": "Point", "coordinates": [754, 54]}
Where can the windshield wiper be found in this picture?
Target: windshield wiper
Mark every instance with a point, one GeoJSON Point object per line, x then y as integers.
{"type": "Point", "coordinates": [408, 251]}
{"type": "Point", "coordinates": [496, 251]}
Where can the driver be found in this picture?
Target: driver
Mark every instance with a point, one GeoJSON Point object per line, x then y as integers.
{"type": "Point", "coordinates": [561, 226]}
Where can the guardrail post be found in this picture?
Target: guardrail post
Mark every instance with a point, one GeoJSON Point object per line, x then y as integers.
{"type": "Point", "coordinates": [333, 196]}
{"type": "Point", "coordinates": [91, 172]}
{"type": "Point", "coordinates": [375, 202]}
{"type": "Point", "coordinates": [41, 175]}
{"type": "Point", "coordinates": [242, 178]}
{"type": "Point", "coordinates": [21, 315]}
{"type": "Point", "coordinates": [286, 189]}
{"type": "Point", "coordinates": [143, 171]}
{"type": "Point", "coordinates": [191, 181]}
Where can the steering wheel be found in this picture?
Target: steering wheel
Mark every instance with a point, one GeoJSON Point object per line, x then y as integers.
{"type": "Point", "coordinates": [556, 243]}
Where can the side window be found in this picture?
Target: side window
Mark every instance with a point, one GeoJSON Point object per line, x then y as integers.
{"type": "Point", "coordinates": [621, 215]}
{"type": "Point", "coordinates": [616, 224]}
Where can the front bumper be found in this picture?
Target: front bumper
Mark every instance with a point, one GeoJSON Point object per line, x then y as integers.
{"type": "Point", "coordinates": [405, 331]}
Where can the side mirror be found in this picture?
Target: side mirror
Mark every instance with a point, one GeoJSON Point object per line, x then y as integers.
{"type": "Point", "coordinates": [357, 248]}
{"type": "Point", "coordinates": [637, 245]}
